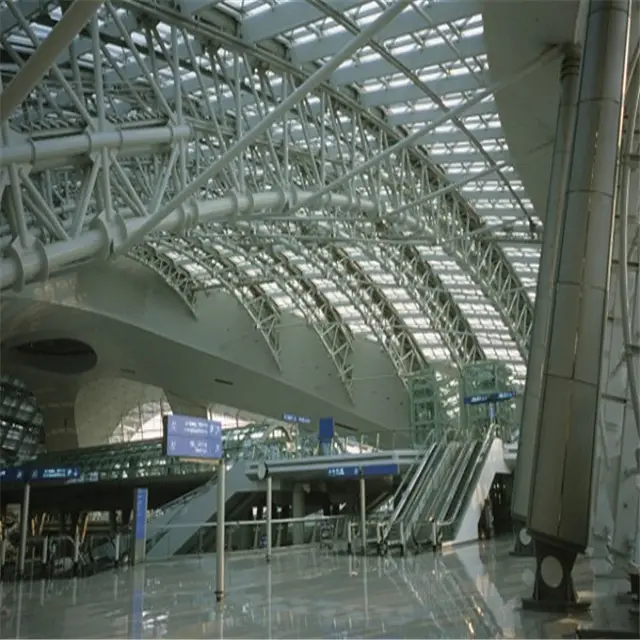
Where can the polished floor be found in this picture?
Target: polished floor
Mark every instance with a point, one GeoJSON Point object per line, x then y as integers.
{"type": "Point", "coordinates": [471, 593]}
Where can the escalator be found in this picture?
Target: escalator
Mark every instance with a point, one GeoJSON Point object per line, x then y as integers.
{"type": "Point", "coordinates": [453, 500]}
{"type": "Point", "coordinates": [424, 507]}
{"type": "Point", "coordinates": [406, 495]}
{"type": "Point", "coordinates": [179, 526]}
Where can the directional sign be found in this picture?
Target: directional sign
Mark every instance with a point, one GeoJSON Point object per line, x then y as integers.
{"type": "Point", "coordinates": [388, 469]}
{"type": "Point", "coordinates": [188, 437]}
{"type": "Point", "coordinates": [39, 474]}
{"type": "Point", "coordinates": [55, 473]}
{"type": "Point", "coordinates": [292, 417]}
{"type": "Point", "coordinates": [343, 472]}
{"type": "Point", "coordinates": [12, 474]}
{"type": "Point", "coordinates": [369, 470]}
{"type": "Point", "coordinates": [490, 397]}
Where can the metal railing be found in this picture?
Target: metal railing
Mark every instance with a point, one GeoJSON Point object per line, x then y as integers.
{"type": "Point", "coordinates": [251, 535]}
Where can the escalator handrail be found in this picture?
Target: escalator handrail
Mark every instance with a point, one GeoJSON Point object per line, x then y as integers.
{"type": "Point", "coordinates": [444, 490]}
{"type": "Point", "coordinates": [466, 457]}
{"type": "Point", "coordinates": [411, 470]}
{"type": "Point", "coordinates": [406, 491]}
{"type": "Point", "coordinates": [443, 462]}
{"type": "Point", "coordinates": [479, 461]}
{"type": "Point", "coordinates": [408, 494]}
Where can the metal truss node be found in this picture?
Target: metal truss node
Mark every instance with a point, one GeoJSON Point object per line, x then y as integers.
{"type": "Point", "coordinates": [343, 162]}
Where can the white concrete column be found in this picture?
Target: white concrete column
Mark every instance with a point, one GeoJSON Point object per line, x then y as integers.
{"type": "Point", "coordinates": [553, 223]}
{"type": "Point", "coordinates": [559, 508]}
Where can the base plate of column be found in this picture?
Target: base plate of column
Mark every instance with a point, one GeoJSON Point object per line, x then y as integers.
{"type": "Point", "coordinates": [605, 633]}
{"type": "Point", "coordinates": [523, 543]}
{"type": "Point", "coordinates": [553, 587]}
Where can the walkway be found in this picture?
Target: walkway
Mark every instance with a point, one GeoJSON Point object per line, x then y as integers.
{"type": "Point", "coordinates": [470, 593]}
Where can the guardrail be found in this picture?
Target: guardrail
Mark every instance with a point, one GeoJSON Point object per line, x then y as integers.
{"type": "Point", "coordinates": [329, 532]}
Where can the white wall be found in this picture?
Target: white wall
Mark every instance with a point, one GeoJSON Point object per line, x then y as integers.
{"type": "Point", "coordinates": [142, 330]}
{"type": "Point", "coordinates": [494, 463]}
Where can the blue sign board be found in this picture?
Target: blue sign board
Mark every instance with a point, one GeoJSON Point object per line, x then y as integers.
{"type": "Point", "coordinates": [141, 501]}
{"type": "Point", "coordinates": [292, 417]}
{"type": "Point", "coordinates": [491, 397]}
{"type": "Point", "coordinates": [55, 473]}
{"type": "Point", "coordinates": [39, 474]}
{"type": "Point", "coordinates": [369, 470]}
{"type": "Point", "coordinates": [343, 472]}
{"type": "Point", "coordinates": [187, 437]}
{"type": "Point", "coordinates": [326, 429]}
{"type": "Point", "coordinates": [388, 469]}
{"type": "Point", "coordinates": [12, 474]}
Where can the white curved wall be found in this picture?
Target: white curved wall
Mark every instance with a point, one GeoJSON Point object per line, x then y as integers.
{"type": "Point", "coordinates": [100, 404]}
{"type": "Point", "coordinates": [142, 331]}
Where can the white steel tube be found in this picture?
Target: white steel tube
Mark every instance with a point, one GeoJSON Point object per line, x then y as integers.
{"type": "Point", "coordinates": [363, 514]}
{"type": "Point", "coordinates": [37, 65]}
{"type": "Point", "coordinates": [60, 150]}
{"type": "Point", "coordinates": [320, 76]}
{"type": "Point", "coordinates": [220, 526]}
{"type": "Point", "coordinates": [269, 516]}
{"type": "Point", "coordinates": [24, 528]}
{"type": "Point", "coordinates": [43, 261]}
{"type": "Point", "coordinates": [117, 551]}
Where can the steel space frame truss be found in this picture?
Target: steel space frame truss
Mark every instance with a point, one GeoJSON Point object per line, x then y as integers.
{"type": "Point", "coordinates": [100, 147]}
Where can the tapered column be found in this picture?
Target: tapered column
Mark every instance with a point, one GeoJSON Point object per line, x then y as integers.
{"type": "Point", "coordinates": [553, 224]}
{"type": "Point", "coordinates": [559, 507]}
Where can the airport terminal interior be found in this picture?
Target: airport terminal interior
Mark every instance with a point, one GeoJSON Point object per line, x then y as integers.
{"type": "Point", "coordinates": [319, 319]}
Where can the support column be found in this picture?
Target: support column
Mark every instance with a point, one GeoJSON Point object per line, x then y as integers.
{"type": "Point", "coordinates": [363, 514]}
{"type": "Point", "coordinates": [221, 506]}
{"type": "Point", "coordinates": [562, 469]}
{"type": "Point", "coordinates": [269, 517]}
{"type": "Point", "coordinates": [24, 530]}
{"type": "Point", "coordinates": [298, 511]}
{"type": "Point", "coordinates": [553, 223]}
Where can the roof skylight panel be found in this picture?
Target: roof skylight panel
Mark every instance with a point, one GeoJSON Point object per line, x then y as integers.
{"type": "Point", "coordinates": [435, 354]}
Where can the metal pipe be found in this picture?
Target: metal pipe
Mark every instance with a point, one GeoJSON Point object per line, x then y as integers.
{"type": "Point", "coordinates": [363, 514]}
{"type": "Point", "coordinates": [553, 223]}
{"type": "Point", "coordinates": [269, 516]}
{"type": "Point", "coordinates": [58, 150]}
{"type": "Point", "coordinates": [117, 551]}
{"type": "Point", "coordinates": [38, 63]}
{"type": "Point", "coordinates": [24, 529]}
{"type": "Point", "coordinates": [220, 525]}
{"type": "Point", "coordinates": [320, 76]}
{"type": "Point", "coordinates": [25, 265]}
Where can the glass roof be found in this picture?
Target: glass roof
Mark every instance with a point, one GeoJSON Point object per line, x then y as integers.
{"type": "Point", "coordinates": [456, 268]}
{"type": "Point", "coordinates": [21, 423]}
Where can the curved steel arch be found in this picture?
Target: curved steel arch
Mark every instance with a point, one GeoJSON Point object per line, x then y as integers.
{"type": "Point", "coordinates": [419, 278]}
{"type": "Point", "coordinates": [376, 310]}
{"type": "Point", "coordinates": [335, 336]}
{"type": "Point", "coordinates": [257, 303]}
{"type": "Point", "coordinates": [491, 266]}
{"type": "Point", "coordinates": [509, 297]}
{"type": "Point", "coordinates": [175, 276]}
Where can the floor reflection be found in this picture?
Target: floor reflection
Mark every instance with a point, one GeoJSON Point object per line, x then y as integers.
{"type": "Point", "coordinates": [471, 593]}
